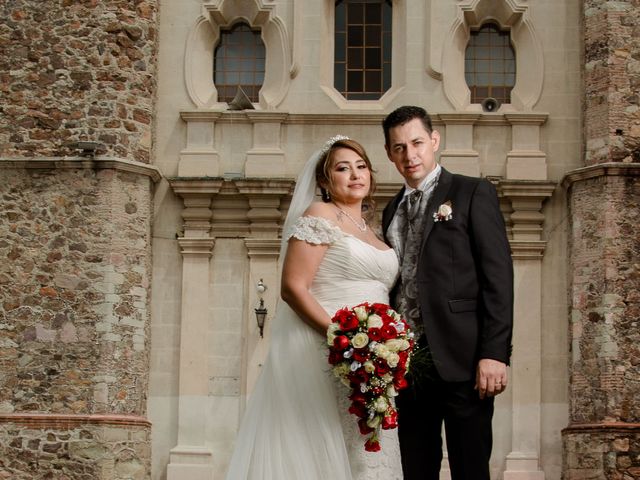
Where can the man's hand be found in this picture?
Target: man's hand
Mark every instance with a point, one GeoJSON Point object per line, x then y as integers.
{"type": "Point", "coordinates": [491, 377]}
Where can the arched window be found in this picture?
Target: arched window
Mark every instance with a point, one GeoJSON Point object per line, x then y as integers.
{"type": "Point", "coordinates": [490, 64]}
{"type": "Point", "coordinates": [239, 60]}
{"type": "Point", "coordinates": [362, 57]}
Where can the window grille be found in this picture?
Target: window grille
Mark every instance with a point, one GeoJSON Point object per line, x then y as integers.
{"type": "Point", "coordinates": [362, 57]}
{"type": "Point", "coordinates": [239, 60]}
{"type": "Point", "coordinates": [490, 64]}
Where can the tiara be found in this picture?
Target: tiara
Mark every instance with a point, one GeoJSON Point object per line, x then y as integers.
{"type": "Point", "coordinates": [329, 143]}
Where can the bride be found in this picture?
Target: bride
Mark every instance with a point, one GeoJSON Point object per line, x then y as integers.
{"type": "Point", "coordinates": [296, 426]}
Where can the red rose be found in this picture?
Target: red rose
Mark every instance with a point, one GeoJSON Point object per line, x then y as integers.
{"type": "Point", "coordinates": [348, 322]}
{"type": "Point", "coordinates": [399, 382]}
{"type": "Point", "coordinates": [390, 420]}
{"type": "Point", "coordinates": [358, 397]}
{"type": "Point", "coordinates": [364, 428]}
{"type": "Point", "coordinates": [402, 363]}
{"type": "Point", "coordinates": [387, 319]}
{"type": "Point", "coordinates": [360, 355]}
{"type": "Point", "coordinates": [375, 334]}
{"type": "Point", "coordinates": [358, 409]}
{"type": "Point", "coordinates": [341, 342]}
{"type": "Point", "coordinates": [358, 377]}
{"type": "Point", "coordinates": [389, 332]}
{"type": "Point", "coordinates": [380, 308]}
{"type": "Point", "coordinates": [372, 445]}
{"type": "Point", "coordinates": [335, 357]}
{"type": "Point", "coordinates": [381, 368]}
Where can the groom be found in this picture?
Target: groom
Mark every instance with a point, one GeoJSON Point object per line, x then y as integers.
{"type": "Point", "coordinates": [456, 290]}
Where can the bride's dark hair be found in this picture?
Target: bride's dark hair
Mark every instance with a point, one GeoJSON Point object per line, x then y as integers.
{"type": "Point", "coordinates": [323, 175]}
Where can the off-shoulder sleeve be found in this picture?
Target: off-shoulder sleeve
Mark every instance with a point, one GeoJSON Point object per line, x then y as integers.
{"type": "Point", "coordinates": [315, 230]}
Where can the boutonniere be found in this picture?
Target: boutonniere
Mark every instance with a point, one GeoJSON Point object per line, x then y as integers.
{"type": "Point", "coordinates": [444, 213]}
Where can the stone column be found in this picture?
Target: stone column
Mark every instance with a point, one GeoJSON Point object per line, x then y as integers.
{"type": "Point", "coordinates": [191, 458]}
{"type": "Point", "coordinates": [602, 439]}
{"type": "Point", "coordinates": [526, 198]}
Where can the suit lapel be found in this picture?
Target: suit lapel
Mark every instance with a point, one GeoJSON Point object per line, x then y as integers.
{"type": "Point", "coordinates": [438, 198]}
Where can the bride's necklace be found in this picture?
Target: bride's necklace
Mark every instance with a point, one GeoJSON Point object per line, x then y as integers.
{"type": "Point", "coordinates": [362, 227]}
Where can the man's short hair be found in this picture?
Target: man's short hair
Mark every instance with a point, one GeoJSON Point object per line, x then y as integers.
{"type": "Point", "coordinates": [402, 115]}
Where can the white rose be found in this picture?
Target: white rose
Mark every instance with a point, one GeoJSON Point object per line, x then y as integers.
{"type": "Point", "coordinates": [341, 370]}
{"type": "Point", "coordinates": [445, 210]}
{"type": "Point", "coordinates": [397, 344]}
{"type": "Point", "coordinates": [330, 338]}
{"type": "Point", "coordinates": [393, 359]}
{"type": "Point", "coordinates": [380, 404]}
{"type": "Point", "coordinates": [360, 340]}
{"type": "Point", "coordinates": [361, 313]}
{"type": "Point", "coordinates": [387, 378]}
{"type": "Point", "coordinates": [382, 351]}
{"type": "Point", "coordinates": [391, 391]}
{"type": "Point", "coordinates": [375, 321]}
{"type": "Point", "coordinates": [373, 422]}
{"type": "Point", "coordinates": [394, 344]}
{"type": "Point", "coordinates": [369, 367]}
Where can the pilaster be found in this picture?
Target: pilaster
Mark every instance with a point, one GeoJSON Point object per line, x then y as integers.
{"type": "Point", "coordinates": [526, 219]}
{"type": "Point", "coordinates": [191, 458]}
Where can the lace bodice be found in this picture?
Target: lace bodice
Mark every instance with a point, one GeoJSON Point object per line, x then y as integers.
{"type": "Point", "coordinates": [352, 271]}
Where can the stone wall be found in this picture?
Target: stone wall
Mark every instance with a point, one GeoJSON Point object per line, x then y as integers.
{"type": "Point", "coordinates": [74, 313]}
{"type": "Point", "coordinates": [77, 69]}
{"type": "Point", "coordinates": [612, 81]}
{"type": "Point", "coordinates": [75, 237]}
{"type": "Point", "coordinates": [602, 439]}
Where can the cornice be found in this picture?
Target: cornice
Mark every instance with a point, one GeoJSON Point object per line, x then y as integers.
{"type": "Point", "coordinates": [526, 118]}
{"type": "Point", "coordinates": [526, 188]}
{"type": "Point", "coordinates": [357, 118]}
{"type": "Point", "coordinates": [527, 249]}
{"type": "Point", "coordinates": [601, 427]}
{"type": "Point", "coordinates": [70, 163]}
{"type": "Point", "coordinates": [263, 247]}
{"type": "Point", "coordinates": [196, 247]}
{"type": "Point", "coordinates": [611, 169]}
{"type": "Point", "coordinates": [69, 421]}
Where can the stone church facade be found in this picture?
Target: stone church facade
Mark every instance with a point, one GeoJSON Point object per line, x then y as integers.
{"type": "Point", "coordinates": [138, 213]}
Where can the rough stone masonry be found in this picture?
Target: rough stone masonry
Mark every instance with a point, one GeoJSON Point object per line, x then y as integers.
{"type": "Point", "coordinates": [602, 439]}
{"type": "Point", "coordinates": [75, 238]}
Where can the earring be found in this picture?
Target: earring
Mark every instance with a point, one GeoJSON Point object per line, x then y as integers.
{"type": "Point", "coordinates": [326, 198]}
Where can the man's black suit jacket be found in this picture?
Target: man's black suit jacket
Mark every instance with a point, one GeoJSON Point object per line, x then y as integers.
{"type": "Point", "coordinates": [465, 277]}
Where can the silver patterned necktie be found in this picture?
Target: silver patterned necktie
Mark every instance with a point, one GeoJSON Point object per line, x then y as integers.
{"type": "Point", "coordinates": [413, 204]}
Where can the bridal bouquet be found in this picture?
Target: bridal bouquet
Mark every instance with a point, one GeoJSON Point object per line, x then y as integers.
{"type": "Point", "coordinates": [370, 347]}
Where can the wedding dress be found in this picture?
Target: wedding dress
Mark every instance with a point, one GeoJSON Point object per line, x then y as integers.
{"type": "Point", "coordinates": [297, 426]}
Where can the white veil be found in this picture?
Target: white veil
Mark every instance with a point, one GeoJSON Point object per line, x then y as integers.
{"type": "Point", "coordinates": [291, 429]}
